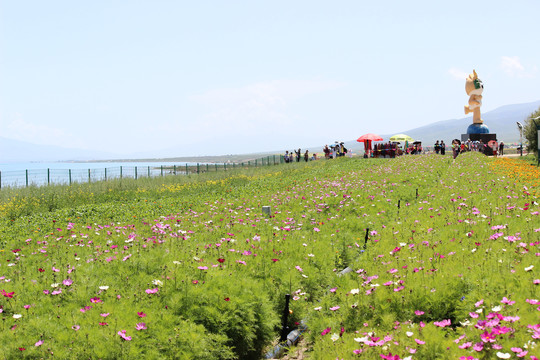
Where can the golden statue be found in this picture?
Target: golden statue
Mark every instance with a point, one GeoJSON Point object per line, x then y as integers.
{"type": "Point", "coordinates": [474, 88]}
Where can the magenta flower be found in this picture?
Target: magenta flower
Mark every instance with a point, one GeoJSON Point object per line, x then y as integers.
{"type": "Point", "coordinates": [141, 314]}
{"type": "Point", "coordinates": [67, 282]}
{"type": "Point", "coordinates": [39, 343]}
{"type": "Point", "coordinates": [140, 326]}
{"type": "Point", "coordinates": [419, 312]}
{"type": "Point", "coordinates": [326, 331]}
{"type": "Point", "coordinates": [8, 295]}
{"type": "Point", "coordinates": [95, 300]}
{"type": "Point", "coordinates": [152, 291]}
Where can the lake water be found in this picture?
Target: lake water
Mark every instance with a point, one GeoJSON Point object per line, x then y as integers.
{"type": "Point", "coordinates": [42, 173]}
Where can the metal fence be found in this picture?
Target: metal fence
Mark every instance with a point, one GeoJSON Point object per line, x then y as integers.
{"type": "Point", "coordinates": [22, 178]}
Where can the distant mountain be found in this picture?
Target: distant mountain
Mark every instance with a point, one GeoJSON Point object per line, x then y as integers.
{"type": "Point", "coordinates": [20, 151]}
{"type": "Point", "coordinates": [501, 121]}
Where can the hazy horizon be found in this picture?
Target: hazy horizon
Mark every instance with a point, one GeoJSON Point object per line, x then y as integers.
{"type": "Point", "coordinates": [178, 79]}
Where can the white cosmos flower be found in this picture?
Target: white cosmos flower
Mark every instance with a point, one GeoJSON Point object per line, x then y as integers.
{"type": "Point", "coordinates": [334, 337]}
{"type": "Point", "coordinates": [361, 339]}
{"type": "Point", "coordinates": [355, 291]}
{"type": "Point", "coordinates": [55, 285]}
{"type": "Point", "coordinates": [529, 268]}
{"type": "Point", "coordinates": [17, 316]}
{"type": "Point", "coordinates": [157, 282]}
{"type": "Point", "coordinates": [104, 287]}
{"type": "Point", "coordinates": [409, 333]}
{"type": "Point", "coordinates": [502, 355]}
{"type": "Point", "coordinates": [496, 308]}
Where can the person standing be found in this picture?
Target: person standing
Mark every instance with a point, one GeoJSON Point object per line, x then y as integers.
{"type": "Point", "coordinates": [306, 156]}
{"type": "Point", "coordinates": [443, 147]}
{"type": "Point", "coordinates": [501, 148]}
{"type": "Point", "coordinates": [437, 147]}
{"type": "Point", "coordinates": [298, 154]}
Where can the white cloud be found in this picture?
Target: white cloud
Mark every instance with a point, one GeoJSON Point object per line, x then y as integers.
{"type": "Point", "coordinates": [20, 129]}
{"type": "Point", "coordinates": [458, 74]}
{"type": "Point", "coordinates": [513, 67]}
{"type": "Point", "coordinates": [254, 107]}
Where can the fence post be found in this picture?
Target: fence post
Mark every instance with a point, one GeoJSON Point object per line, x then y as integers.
{"type": "Point", "coordinates": [216, 168]}
{"type": "Point", "coordinates": [207, 168]}
{"type": "Point", "coordinates": [161, 170]}
{"type": "Point", "coordinates": [149, 171]}
{"type": "Point", "coordinates": [187, 172]}
{"type": "Point", "coordinates": [120, 172]}
{"type": "Point", "coordinates": [48, 176]}
{"type": "Point", "coordinates": [198, 168]}
{"type": "Point", "coordinates": [89, 176]}
{"type": "Point", "coordinates": [69, 176]}
{"type": "Point", "coordinates": [26, 177]}
{"type": "Point", "coordinates": [174, 169]}
{"type": "Point", "coordinates": [0, 179]}
{"type": "Point", "coordinates": [105, 174]}
{"type": "Point", "coordinates": [135, 173]}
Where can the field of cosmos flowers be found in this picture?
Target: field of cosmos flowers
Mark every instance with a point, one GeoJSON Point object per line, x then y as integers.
{"type": "Point", "coordinates": [418, 257]}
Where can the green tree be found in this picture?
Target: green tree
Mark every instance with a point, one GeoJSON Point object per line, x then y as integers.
{"type": "Point", "coordinates": [530, 132]}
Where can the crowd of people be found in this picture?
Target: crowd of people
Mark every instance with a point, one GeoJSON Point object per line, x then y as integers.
{"type": "Point", "coordinates": [393, 149]}
{"type": "Point", "coordinates": [330, 152]}
{"type": "Point", "coordinates": [490, 148]}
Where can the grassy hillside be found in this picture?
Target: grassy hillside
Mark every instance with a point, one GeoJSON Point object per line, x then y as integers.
{"type": "Point", "coordinates": [442, 254]}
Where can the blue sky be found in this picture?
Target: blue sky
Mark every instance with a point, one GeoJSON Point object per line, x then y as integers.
{"type": "Point", "coordinates": [173, 78]}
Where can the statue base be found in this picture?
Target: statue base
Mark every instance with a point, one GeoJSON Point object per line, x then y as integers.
{"type": "Point", "coordinates": [480, 132]}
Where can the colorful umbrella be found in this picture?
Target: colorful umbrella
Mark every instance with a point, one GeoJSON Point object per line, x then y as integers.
{"type": "Point", "coordinates": [401, 137]}
{"type": "Point", "coordinates": [369, 137]}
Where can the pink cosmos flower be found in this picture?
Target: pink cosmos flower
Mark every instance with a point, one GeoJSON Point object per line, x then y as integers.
{"type": "Point", "coordinates": [39, 343]}
{"type": "Point", "coordinates": [76, 327]}
{"type": "Point", "coordinates": [141, 314]}
{"type": "Point", "coordinates": [140, 326]}
{"type": "Point", "coordinates": [298, 268]}
{"type": "Point", "coordinates": [95, 300]}
{"type": "Point", "coordinates": [335, 308]}
{"type": "Point", "coordinates": [123, 335]}
{"type": "Point", "coordinates": [152, 291]}
{"type": "Point", "coordinates": [507, 301]}
{"type": "Point", "coordinates": [203, 268]}
{"type": "Point", "coordinates": [443, 323]}
{"type": "Point", "coordinates": [419, 342]}
{"type": "Point", "coordinates": [105, 314]}
{"type": "Point", "coordinates": [419, 312]}
{"type": "Point", "coordinates": [67, 282]}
